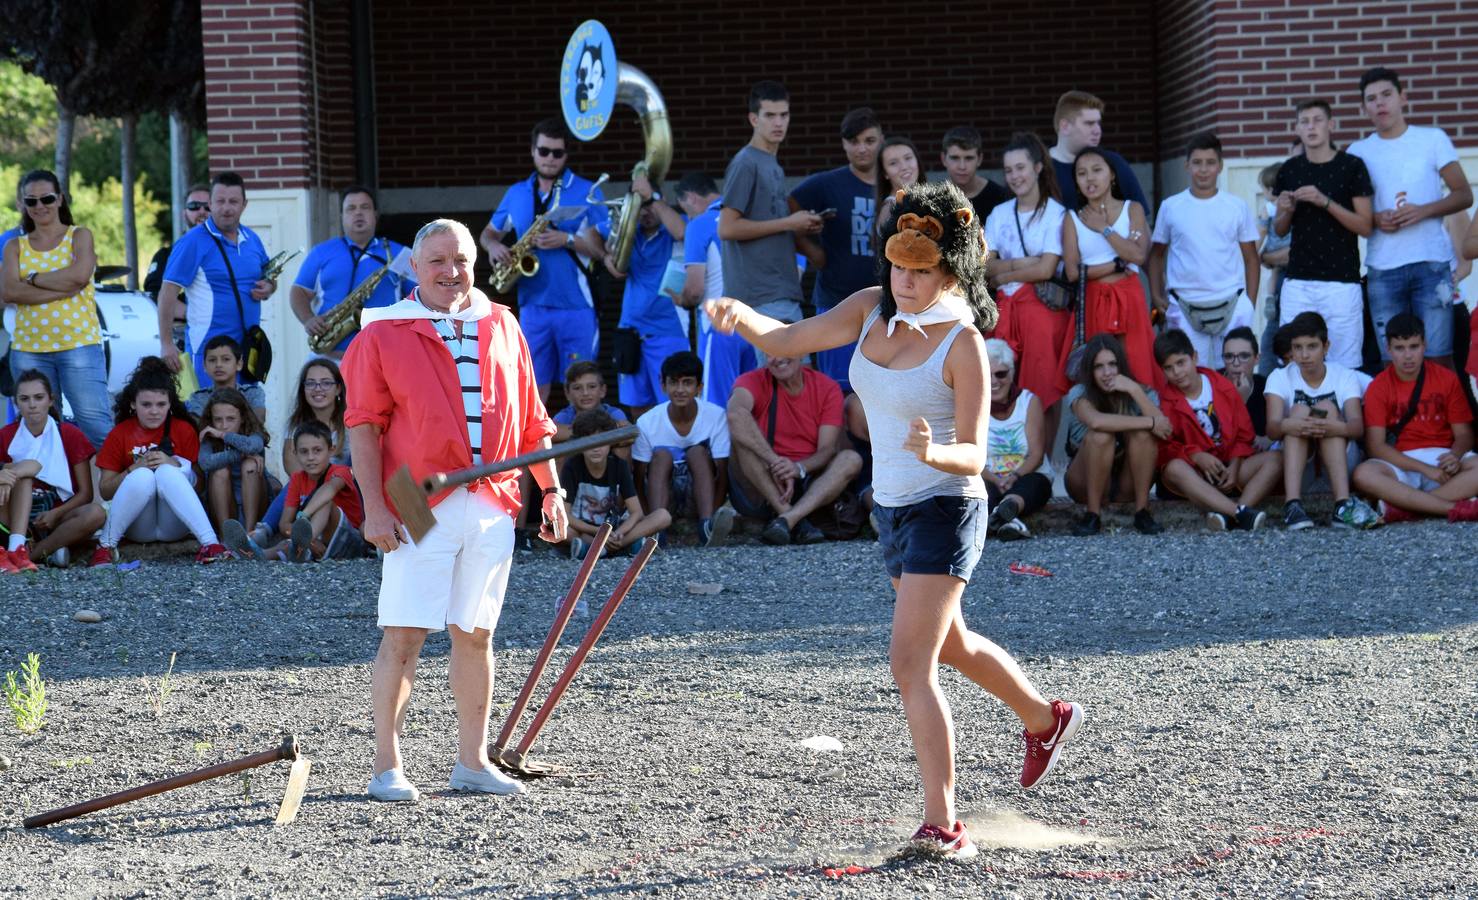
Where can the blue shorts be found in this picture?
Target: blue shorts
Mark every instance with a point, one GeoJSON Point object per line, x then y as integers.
{"type": "Point", "coordinates": [1423, 289]}
{"type": "Point", "coordinates": [558, 337]}
{"type": "Point", "coordinates": [645, 387]}
{"type": "Point", "coordinates": [937, 536]}
{"type": "Point", "coordinates": [725, 357]}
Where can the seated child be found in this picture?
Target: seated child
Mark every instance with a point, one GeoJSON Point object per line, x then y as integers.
{"type": "Point", "coordinates": [223, 362]}
{"type": "Point", "coordinates": [1421, 462]}
{"type": "Point", "coordinates": [1240, 353]}
{"type": "Point", "coordinates": [45, 481]}
{"type": "Point", "coordinates": [1018, 470]}
{"type": "Point", "coordinates": [1209, 454]}
{"type": "Point", "coordinates": [601, 490]}
{"type": "Point", "coordinates": [1113, 423]}
{"type": "Point", "coordinates": [322, 513]}
{"type": "Point", "coordinates": [682, 452]}
{"type": "Point", "coordinates": [1314, 409]}
{"type": "Point", "coordinates": [148, 469]}
{"type": "Point", "coordinates": [232, 445]}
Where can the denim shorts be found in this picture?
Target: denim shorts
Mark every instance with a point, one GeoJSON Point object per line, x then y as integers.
{"type": "Point", "coordinates": [1423, 289]}
{"type": "Point", "coordinates": [936, 536]}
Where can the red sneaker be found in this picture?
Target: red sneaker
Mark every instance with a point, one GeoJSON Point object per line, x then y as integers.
{"type": "Point", "coordinates": [1394, 514]}
{"type": "Point", "coordinates": [1042, 750]}
{"type": "Point", "coordinates": [103, 556]}
{"type": "Point", "coordinates": [6, 566]}
{"type": "Point", "coordinates": [953, 843]}
{"type": "Point", "coordinates": [21, 559]}
{"type": "Point", "coordinates": [1463, 511]}
{"type": "Point", "coordinates": [211, 553]}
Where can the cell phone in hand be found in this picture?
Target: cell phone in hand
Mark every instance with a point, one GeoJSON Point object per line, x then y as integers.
{"type": "Point", "coordinates": [828, 213]}
{"type": "Point", "coordinates": [1318, 413]}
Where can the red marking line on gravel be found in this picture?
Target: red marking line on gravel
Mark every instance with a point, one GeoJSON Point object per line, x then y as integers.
{"type": "Point", "coordinates": [1199, 860]}
{"type": "Point", "coordinates": [638, 859]}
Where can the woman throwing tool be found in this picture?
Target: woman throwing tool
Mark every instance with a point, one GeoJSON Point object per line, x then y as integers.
{"type": "Point", "coordinates": [919, 368]}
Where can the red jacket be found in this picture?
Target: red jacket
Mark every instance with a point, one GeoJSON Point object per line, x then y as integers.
{"type": "Point", "coordinates": [402, 380]}
{"type": "Point", "coordinates": [1189, 438]}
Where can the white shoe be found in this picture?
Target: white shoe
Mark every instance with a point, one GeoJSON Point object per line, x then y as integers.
{"type": "Point", "coordinates": [391, 786]}
{"type": "Point", "coordinates": [487, 781]}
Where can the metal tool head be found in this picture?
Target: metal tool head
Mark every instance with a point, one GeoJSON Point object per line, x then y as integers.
{"type": "Point", "coordinates": [410, 503]}
{"type": "Point", "coordinates": [515, 764]}
{"type": "Point", "coordinates": [292, 797]}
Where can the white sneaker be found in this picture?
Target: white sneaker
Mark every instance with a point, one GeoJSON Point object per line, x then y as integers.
{"type": "Point", "coordinates": [391, 786]}
{"type": "Point", "coordinates": [487, 781]}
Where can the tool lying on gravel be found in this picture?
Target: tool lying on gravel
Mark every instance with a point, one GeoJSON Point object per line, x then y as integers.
{"type": "Point", "coordinates": [287, 810]}
{"type": "Point", "coordinates": [410, 498]}
{"type": "Point", "coordinates": [517, 760]}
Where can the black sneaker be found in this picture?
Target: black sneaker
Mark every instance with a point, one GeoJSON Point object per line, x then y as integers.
{"type": "Point", "coordinates": [1145, 523]}
{"type": "Point", "coordinates": [1294, 517]}
{"type": "Point", "coordinates": [776, 533]}
{"type": "Point", "coordinates": [1088, 524]}
{"type": "Point", "coordinates": [522, 542]}
{"type": "Point", "coordinates": [1003, 513]}
{"type": "Point", "coordinates": [806, 533]}
{"type": "Point", "coordinates": [1249, 519]}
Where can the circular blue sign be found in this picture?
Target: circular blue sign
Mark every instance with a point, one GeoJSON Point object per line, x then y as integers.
{"type": "Point", "coordinates": [587, 80]}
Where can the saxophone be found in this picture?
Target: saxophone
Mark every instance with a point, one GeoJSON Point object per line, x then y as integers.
{"type": "Point", "coordinates": [524, 262]}
{"type": "Point", "coordinates": [276, 264]}
{"type": "Point", "coordinates": [343, 320]}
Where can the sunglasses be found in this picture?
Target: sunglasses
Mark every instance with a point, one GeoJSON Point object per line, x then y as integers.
{"type": "Point", "coordinates": [1001, 373]}
{"type": "Point", "coordinates": [1237, 357]}
{"type": "Point", "coordinates": [45, 199]}
{"type": "Point", "coordinates": [197, 205]}
{"type": "Point", "coordinates": [556, 152]}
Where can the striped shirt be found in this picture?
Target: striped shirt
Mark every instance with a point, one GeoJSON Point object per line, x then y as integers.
{"type": "Point", "coordinates": [464, 354]}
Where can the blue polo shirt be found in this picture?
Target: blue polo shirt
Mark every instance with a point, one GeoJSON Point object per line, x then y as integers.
{"type": "Point", "coordinates": [846, 237]}
{"type": "Point", "coordinates": [196, 264]}
{"type": "Point", "coordinates": [335, 267]}
{"type": "Point", "coordinates": [559, 283]}
{"type": "Point", "coordinates": [9, 236]}
{"type": "Point", "coordinates": [643, 305]}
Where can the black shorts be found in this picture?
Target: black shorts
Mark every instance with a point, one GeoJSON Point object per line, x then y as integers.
{"type": "Point", "coordinates": [937, 536]}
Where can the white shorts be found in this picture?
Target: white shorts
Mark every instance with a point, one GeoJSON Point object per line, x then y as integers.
{"type": "Point", "coordinates": [457, 574]}
{"type": "Point", "coordinates": [1208, 346]}
{"type": "Point", "coordinates": [1343, 308]}
{"type": "Point", "coordinates": [1427, 455]}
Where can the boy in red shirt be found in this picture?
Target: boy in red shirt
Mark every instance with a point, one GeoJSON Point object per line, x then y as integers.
{"type": "Point", "coordinates": [1421, 462]}
{"type": "Point", "coordinates": [323, 511]}
{"type": "Point", "coordinates": [1209, 454]}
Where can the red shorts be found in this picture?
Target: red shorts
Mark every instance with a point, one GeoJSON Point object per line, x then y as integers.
{"type": "Point", "coordinates": [1036, 334]}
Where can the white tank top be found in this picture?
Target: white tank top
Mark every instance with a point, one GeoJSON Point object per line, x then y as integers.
{"type": "Point", "coordinates": [1094, 248]}
{"type": "Point", "coordinates": [1006, 443]}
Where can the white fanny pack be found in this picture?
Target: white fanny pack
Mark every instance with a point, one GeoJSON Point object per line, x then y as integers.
{"type": "Point", "coordinates": [1208, 316]}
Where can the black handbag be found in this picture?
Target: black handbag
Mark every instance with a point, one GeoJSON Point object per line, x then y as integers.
{"type": "Point", "coordinates": [256, 348]}
{"type": "Point", "coordinates": [1056, 293]}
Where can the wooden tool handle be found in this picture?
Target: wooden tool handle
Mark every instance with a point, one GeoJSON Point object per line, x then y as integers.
{"type": "Point", "coordinates": [442, 480]}
{"type": "Point", "coordinates": [288, 750]}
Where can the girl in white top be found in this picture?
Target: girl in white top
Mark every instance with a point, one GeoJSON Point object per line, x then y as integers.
{"type": "Point", "coordinates": [1018, 472]}
{"type": "Point", "coordinates": [1107, 234]}
{"type": "Point", "coordinates": [898, 163]}
{"type": "Point", "coordinates": [919, 369]}
{"type": "Point", "coordinates": [1025, 239]}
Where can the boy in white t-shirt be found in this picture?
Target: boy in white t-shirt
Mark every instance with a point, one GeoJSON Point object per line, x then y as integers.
{"type": "Point", "coordinates": [1314, 408]}
{"type": "Point", "coordinates": [1407, 257]}
{"type": "Point", "coordinates": [682, 453]}
{"type": "Point", "coordinates": [1203, 266]}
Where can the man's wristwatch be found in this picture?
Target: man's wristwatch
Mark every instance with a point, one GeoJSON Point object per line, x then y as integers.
{"type": "Point", "coordinates": [1118, 265]}
{"type": "Point", "coordinates": [569, 239]}
{"type": "Point", "coordinates": [558, 491]}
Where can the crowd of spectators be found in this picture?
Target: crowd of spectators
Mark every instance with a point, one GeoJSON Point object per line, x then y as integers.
{"type": "Point", "coordinates": [1124, 386]}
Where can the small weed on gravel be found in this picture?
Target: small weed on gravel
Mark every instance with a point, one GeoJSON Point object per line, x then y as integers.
{"type": "Point", "coordinates": [160, 697]}
{"type": "Point", "coordinates": [28, 697]}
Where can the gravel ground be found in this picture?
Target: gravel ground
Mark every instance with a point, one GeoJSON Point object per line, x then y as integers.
{"type": "Point", "coordinates": [1304, 728]}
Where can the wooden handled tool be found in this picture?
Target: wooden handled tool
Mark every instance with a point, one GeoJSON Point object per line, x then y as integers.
{"type": "Point", "coordinates": [297, 783]}
{"type": "Point", "coordinates": [410, 498]}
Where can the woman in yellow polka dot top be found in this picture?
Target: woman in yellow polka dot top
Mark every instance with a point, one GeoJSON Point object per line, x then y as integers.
{"type": "Point", "coordinates": [47, 275]}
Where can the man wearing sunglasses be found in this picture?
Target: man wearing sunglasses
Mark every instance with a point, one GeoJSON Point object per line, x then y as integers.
{"type": "Point", "coordinates": [195, 211]}
{"type": "Point", "coordinates": [218, 267]}
{"type": "Point", "coordinates": [555, 307]}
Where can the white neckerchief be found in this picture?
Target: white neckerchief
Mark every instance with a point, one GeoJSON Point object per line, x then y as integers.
{"type": "Point", "coordinates": [478, 307]}
{"type": "Point", "coordinates": [46, 448]}
{"type": "Point", "coordinates": [950, 307]}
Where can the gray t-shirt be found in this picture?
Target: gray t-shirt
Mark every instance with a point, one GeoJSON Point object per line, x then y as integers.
{"type": "Point", "coordinates": [763, 270]}
{"type": "Point", "coordinates": [1077, 431]}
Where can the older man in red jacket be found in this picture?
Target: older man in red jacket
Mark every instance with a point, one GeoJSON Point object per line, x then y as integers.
{"type": "Point", "coordinates": [440, 381]}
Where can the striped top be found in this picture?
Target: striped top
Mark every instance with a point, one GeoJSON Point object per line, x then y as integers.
{"type": "Point", "coordinates": [64, 324]}
{"type": "Point", "coordinates": [464, 354]}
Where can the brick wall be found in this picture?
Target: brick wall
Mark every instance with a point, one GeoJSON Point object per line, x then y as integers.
{"type": "Point", "coordinates": [1184, 71]}
{"type": "Point", "coordinates": [1268, 54]}
{"type": "Point", "coordinates": [457, 90]}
